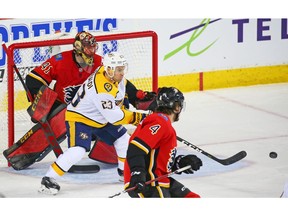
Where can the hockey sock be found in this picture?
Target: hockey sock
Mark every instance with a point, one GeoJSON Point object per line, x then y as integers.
{"type": "Point", "coordinates": [121, 146]}
{"type": "Point", "coordinates": [65, 161]}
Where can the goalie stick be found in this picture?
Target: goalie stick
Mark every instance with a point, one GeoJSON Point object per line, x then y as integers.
{"type": "Point", "coordinates": [50, 136]}
{"type": "Point", "coordinates": [233, 159]}
{"type": "Point", "coordinates": [153, 180]}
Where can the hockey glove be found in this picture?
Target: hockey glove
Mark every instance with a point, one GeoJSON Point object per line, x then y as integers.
{"type": "Point", "coordinates": [145, 95]}
{"type": "Point", "coordinates": [146, 100]}
{"type": "Point", "coordinates": [137, 118]}
{"type": "Point", "coordinates": [192, 160]}
{"type": "Point", "coordinates": [138, 179]}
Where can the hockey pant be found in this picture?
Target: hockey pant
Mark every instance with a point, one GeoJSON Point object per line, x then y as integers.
{"type": "Point", "coordinates": [110, 146]}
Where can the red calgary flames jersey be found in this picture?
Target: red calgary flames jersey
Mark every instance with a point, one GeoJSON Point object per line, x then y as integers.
{"type": "Point", "coordinates": [157, 138]}
{"type": "Point", "coordinates": [68, 74]}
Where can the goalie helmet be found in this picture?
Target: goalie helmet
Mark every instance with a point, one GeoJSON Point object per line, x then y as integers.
{"type": "Point", "coordinates": [113, 60]}
{"type": "Point", "coordinates": [85, 45]}
{"type": "Point", "coordinates": [168, 97]}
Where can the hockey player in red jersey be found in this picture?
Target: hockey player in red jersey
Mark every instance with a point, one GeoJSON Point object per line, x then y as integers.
{"type": "Point", "coordinates": [152, 151]}
{"type": "Point", "coordinates": [69, 69]}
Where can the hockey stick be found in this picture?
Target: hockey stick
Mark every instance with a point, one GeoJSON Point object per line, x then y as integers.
{"type": "Point", "coordinates": [153, 180]}
{"type": "Point", "coordinates": [50, 136]}
{"type": "Point", "coordinates": [233, 159]}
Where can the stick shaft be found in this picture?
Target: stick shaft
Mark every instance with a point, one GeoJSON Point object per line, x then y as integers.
{"type": "Point", "coordinates": [23, 84]}
{"type": "Point", "coordinates": [153, 180]}
{"type": "Point", "coordinates": [240, 155]}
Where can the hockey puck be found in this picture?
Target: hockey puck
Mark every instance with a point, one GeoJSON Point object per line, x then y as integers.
{"type": "Point", "coordinates": [273, 155]}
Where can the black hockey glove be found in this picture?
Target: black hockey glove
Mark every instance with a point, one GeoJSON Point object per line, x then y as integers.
{"type": "Point", "coordinates": [138, 179]}
{"type": "Point", "coordinates": [185, 160]}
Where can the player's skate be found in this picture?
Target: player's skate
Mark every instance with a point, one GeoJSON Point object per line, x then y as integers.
{"type": "Point", "coordinates": [49, 186]}
{"type": "Point", "coordinates": [120, 173]}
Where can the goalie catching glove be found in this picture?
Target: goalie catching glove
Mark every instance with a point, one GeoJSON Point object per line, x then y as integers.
{"type": "Point", "coordinates": [185, 160]}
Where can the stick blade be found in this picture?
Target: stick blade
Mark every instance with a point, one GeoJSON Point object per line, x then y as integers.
{"type": "Point", "coordinates": [233, 159]}
{"type": "Point", "coordinates": [82, 169]}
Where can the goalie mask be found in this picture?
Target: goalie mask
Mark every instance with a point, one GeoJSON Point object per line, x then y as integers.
{"type": "Point", "coordinates": [113, 60]}
{"type": "Point", "coordinates": [85, 45]}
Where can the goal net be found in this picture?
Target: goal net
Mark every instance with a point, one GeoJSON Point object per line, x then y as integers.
{"type": "Point", "coordinates": [139, 48]}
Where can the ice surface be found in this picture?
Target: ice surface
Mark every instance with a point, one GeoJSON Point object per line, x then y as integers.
{"type": "Point", "coordinates": [221, 122]}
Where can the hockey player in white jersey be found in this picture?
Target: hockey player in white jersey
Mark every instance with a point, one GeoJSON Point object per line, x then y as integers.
{"type": "Point", "coordinates": [96, 110]}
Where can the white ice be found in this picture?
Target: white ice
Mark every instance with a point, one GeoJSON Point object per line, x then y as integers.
{"type": "Point", "coordinates": [222, 122]}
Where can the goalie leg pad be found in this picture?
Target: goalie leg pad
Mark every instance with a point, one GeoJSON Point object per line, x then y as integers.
{"type": "Point", "coordinates": [42, 104]}
{"type": "Point", "coordinates": [103, 152]}
{"type": "Point", "coordinates": [33, 146]}
{"type": "Point", "coordinates": [104, 147]}
{"type": "Point", "coordinates": [22, 161]}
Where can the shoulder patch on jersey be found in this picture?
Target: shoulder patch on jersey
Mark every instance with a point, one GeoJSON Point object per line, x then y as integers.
{"type": "Point", "coordinates": [58, 56]}
{"type": "Point", "coordinates": [108, 87]}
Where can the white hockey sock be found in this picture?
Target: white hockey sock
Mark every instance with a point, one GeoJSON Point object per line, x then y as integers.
{"type": "Point", "coordinates": [66, 160]}
{"type": "Point", "coordinates": [121, 146]}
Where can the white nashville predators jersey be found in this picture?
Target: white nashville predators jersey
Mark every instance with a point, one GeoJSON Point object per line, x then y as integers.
{"type": "Point", "coordinates": [98, 101]}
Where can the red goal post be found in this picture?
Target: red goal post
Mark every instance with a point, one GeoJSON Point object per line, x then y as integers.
{"type": "Point", "coordinates": [139, 48]}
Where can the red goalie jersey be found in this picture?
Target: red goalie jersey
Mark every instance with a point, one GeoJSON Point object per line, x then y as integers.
{"type": "Point", "coordinates": [68, 73]}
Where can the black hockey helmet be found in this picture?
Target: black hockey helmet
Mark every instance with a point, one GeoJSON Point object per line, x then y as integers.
{"type": "Point", "coordinates": [169, 96]}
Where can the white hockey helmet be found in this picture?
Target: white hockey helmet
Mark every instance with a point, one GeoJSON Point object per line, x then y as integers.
{"type": "Point", "coordinates": [113, 60]}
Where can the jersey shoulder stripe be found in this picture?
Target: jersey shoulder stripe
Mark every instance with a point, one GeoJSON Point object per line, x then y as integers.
{"type": "Point", "coordinates": [38, 77]}
{"type": "Point", "coordinates": [141, 144]}
{"type": "Point", "coordinates": [80, 117]}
